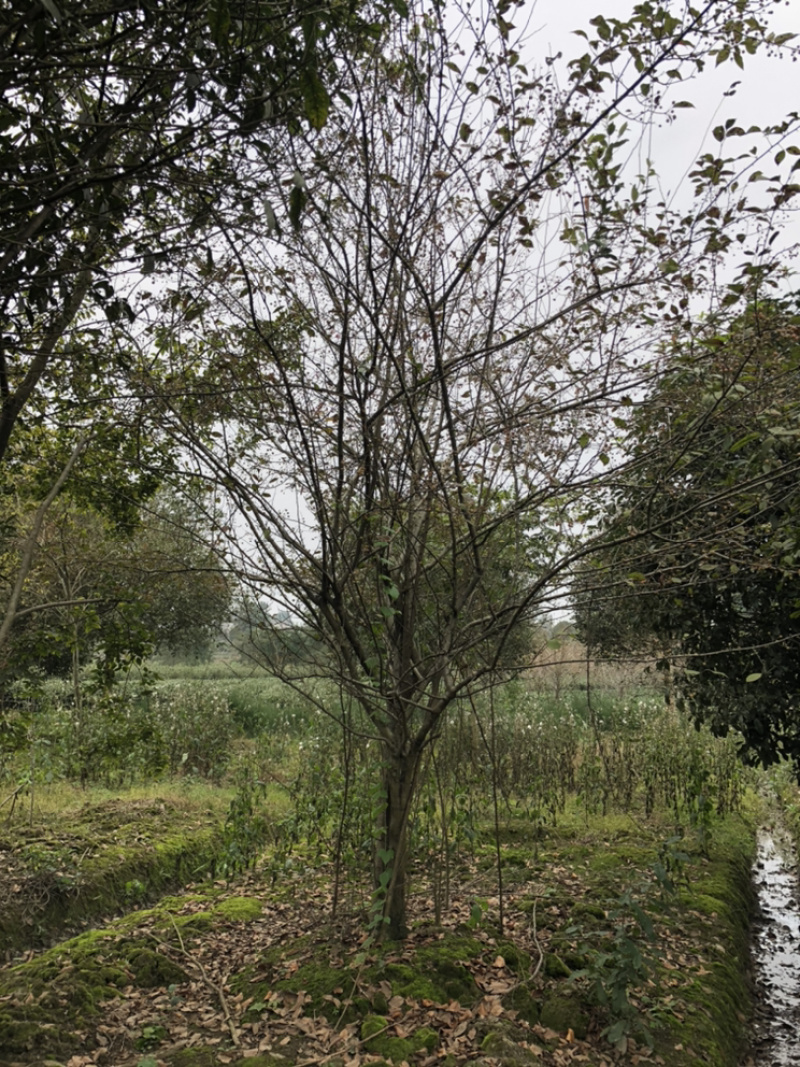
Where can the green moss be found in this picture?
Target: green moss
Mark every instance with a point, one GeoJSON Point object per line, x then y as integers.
{"type": "Point", "coordinates": [563, 1014]}
{"type": "Point", "coordinates": [379, 1004]}
{"type": "Point", "coordinates": [618, 857]}
{"type": "Point", "coordinates": [708, 905]}
{"type": "Point", "coordinates": [425, 1038]}
{"type": "Point", "coordinates": [373, 1025]}
{"type": "Point", "coordinates": [265, 1061]}
{"type": "Point", "coordinates": [715, 1006]}
{"type": "Point", "coordinates": [151, 969]}
{"type": "Point", "coordinates": [317, 976]}
{"type": "Point", "coordinates": [199, 922]}
{"type": "Point", "coordinates": [377, 1040]}
{"type": "Point", "coordinates": [594, 911]}
{"type": "Point", "coordinates": [117, 874]}
{"type": "Point", "coordinates": [501, 1047]}
{"type": "Point", "coordinates": [554, 966]}
{"type": "Point", "coordinates": [511, 857]}
{"type": "Point", "coordinates": [204, 1056]}
{"type": "Point", "coordinates": [575, 961]}
{"type": "Point", "coordinates": [438, 972]}
{"type": "Point", "coordinates": [240, 909]}
{"type": "Point", "coordinates": [521, 1001]}
{"type": "Point", "coordinates": [20, 1036]}
{"type": "Point", "coordinates": [198, 1057]}
{"type": "Point", "coordinates": [57, 992]}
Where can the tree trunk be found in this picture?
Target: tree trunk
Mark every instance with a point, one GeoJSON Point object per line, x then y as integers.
{"type": "Point", "coordinates": [391, 853]}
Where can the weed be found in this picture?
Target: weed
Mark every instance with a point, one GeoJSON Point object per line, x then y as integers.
{"type": "Point", "coordinates": [616, 969]}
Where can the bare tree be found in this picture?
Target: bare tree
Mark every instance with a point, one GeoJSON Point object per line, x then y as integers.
{"type": "Point", "coordinates": [410, 398]}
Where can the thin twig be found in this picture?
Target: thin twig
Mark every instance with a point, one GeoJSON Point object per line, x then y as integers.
{"type": "Point", "coordinates": [13, 796]}
{"type": "Point", "coordinates": [536, 942]}
{"type": "Point", "coordinates": [331, 1055]}
{"type": "Point", "coordinates": [212, 985]}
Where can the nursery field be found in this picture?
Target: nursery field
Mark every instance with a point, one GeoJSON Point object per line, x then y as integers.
{"type": "Point", "coordinates": [189, 877]}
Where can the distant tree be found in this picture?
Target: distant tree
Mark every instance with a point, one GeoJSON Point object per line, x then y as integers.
{"type": "Point", "coordinates": [107, 596]}
{"type": "Point", "coordinates": [712, 584]}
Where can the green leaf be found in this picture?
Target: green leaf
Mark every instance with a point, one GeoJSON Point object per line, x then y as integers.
{"type": "Point", "coordinates": [51, 9]}
{"type": "Point", "coordinates": [740, 444]}
{"type": "Point", "coordinates": [616, 1032]}
{"type": "Point", "coordinates": [297, 201]}
{"type": "Point", "coordinates": [753, 677]}
{"type": "Point", "coordinates": [316, 101]}
{"type": "Point", "coordinates": [219, 22]}
{"type": "Point", "coordinates": [385, 855]}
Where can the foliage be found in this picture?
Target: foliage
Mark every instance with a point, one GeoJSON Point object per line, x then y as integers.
{"type": "Point", "coordinates": [125, 133]}
{"type": "Point", "coordinates": [96, 591]}
{"type": "Point", "coordinates": [431, 386]}
{"type": "Point", "coordinates": [405, 360]}
{"type": "Point", "coordinates": [620, 966]}
{"type": "Point", "coordinates": [245, 827]}
{"type": "Point", "coordinates": [712, 582]}
{"type": "Point", "coordinates": [125, 735]}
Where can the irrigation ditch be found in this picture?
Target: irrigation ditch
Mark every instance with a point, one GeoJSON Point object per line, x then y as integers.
{"type": "Point", "coordinates": [776, 950]}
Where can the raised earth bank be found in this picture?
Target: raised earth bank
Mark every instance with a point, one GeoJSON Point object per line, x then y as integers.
{"type": "Point", "coordinates": [75, 867]}
{"type": "Point", "coordinates": [618, 935]}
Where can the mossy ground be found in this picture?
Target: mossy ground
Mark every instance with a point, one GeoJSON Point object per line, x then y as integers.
{"type": "Point", "coordinates": [461, 992]}
{"type": "Point", "coordinates": [90, 860]}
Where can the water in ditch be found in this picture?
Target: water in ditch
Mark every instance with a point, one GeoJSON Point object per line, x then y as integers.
{"type": "Point", "coordinates": [776, 952]}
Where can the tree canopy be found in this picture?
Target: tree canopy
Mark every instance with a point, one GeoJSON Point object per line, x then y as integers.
{"type": "Point", "coordinates": [130, 135]}
{"type": "Point", "coordinates": [125, 129]}
{"type": "Point", "coordinates": [104, 596]}
{"type": "Point", "coordinates": [396, 340]}
{"type": "Point", "coordinates": [712, 582]}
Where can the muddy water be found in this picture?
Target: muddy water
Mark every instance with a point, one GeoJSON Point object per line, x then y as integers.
{"type": "Point", "coordinates": [776, 952]}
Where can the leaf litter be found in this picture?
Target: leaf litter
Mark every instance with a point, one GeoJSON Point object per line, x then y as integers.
{"type": "Point", "coordinates": [211, 1010]}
